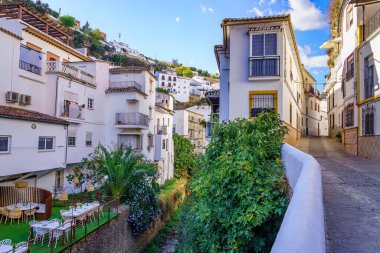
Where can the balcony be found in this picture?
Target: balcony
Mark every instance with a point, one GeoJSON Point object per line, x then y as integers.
{"type": "Point", "coordinates": [71, 110]}
{"type": "Point", "coordinates": [163, 130]}
{"type": "Point", "coordinates": [349, 74]}
{"type": "Point", "coordinates": [372, 24]}
{"type": "Point", "coordinates": [310, 90]}
{"type": "Point", "coordinates": [132, 120]}
{"type": "Point", "coordinates": [126, 85]}
{"type": "Point", "coordinates": [264, 66]}
{"type": "Point", "coordinates": [30, 67]}
{"type": "Point", "coordinates": [70, 71]}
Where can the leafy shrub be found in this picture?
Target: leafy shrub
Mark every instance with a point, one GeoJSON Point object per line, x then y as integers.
{"type": "Point", "coordinates": [184, 162]}
{"type": "Point", "coordinates": [67, 21]}
{"type": "Point", "coordinates": [238, 197]}
{"type": "Point", "coordinates": [339, 136]}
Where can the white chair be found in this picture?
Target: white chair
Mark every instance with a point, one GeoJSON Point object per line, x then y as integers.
{"type": "Point", "coordinates": [55, 220]}
{"type": "Point", "coordinates": [81, 219]}
{"type": "Point", "coordinates": [6, 242]}
{"type": "Point", "coordinates": [39, 233]}
{"type": "Point", "coordinates": [66, 227]}
{"type": "Point", "coordinates": [55, 234]}
{"type": "Point", "coordinates": [21, 247]}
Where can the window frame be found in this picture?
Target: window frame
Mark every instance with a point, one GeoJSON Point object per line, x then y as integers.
{"type": "Point", "coordinates": [45, 149]}
{"type": "Point", "coordinates": [73, 144]}
{"type": "Point", "coordinates": [262, 92]}
{"type": "Point", "coordinates": [92, 103]}
{"type": "Point", "coordinates": [9, 144]}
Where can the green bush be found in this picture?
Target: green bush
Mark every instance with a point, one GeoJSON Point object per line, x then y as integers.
{"type": "Point", "coordinates": [339, 136]}
{"type": "Point", "coordinates": [238, 197]}
{"type": "Point", "coordinates": [184, 162]}
{"type": "Point", "coordinates": [67, 21]}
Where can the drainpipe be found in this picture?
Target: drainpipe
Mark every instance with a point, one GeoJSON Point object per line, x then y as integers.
{"type": "Point", "coordinates": [67, 134]}
{"type": "Point", "coordinates": [56, 96]}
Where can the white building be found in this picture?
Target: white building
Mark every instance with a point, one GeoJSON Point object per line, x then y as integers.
{"type": "Point", "coordinates": [123, 48]}
{"type": "Point", "coordinates": [205, 111]}
{"type": "Point", "coordinates": [57, 105]}
{"type": "Point", "coordinates": [352, 87]}
{"type": "Point", "coordinates": [183, 89]}
{"type": "Point", "coordinates": [260, 69]}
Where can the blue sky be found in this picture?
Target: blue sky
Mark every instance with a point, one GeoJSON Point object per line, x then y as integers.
{"type": "Point", "coordinates": [187, 30]}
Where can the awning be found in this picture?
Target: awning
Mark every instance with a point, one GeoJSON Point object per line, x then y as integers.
{"type": "Point", "coordinates": [330, 43]}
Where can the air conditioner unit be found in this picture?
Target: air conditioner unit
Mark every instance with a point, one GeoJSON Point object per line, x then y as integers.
{"type": "Point", "coordinates": [25, 99]}
{"type": "Point", "coordinates": [11, 97]}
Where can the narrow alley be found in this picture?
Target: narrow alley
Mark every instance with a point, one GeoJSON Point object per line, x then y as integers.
{"type": "Point", "coordinates": [351, 192]}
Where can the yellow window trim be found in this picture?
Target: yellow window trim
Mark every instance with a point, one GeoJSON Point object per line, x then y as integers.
{"type": "Point", "coordinates": [262, 92]}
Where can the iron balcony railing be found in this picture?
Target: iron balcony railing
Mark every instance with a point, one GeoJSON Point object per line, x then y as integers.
{"type": "Point", "coordinates": [349, 74]}
{"type": "Point", "coordinates": [372, 24]}
{"type": "Point", "coordinates": [264, 66]}
{"type": "Point", "coordinates": [66, 68]}
{"type": "Point", "coordinates": [30, 67]}
{"type": "Point", "coordinates": [161, 129]}
{"type": "Point", "coordinates": [126, 84]}
{"type": "Point", "coordinates": [132, 118]}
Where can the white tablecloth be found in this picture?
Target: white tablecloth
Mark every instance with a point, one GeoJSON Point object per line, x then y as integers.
{"type": "Point", "coordinates": [46, 225]}
{"type": "Point", "coordinates": [5, 248]}
{"type": "Point", "coordinates": [76, 212]}
{"type": "Point", "coordinates": [22, 207]}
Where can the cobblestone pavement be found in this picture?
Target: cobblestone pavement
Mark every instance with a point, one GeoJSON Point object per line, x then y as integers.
{"type": "Point", "coordinates": [351, 192]}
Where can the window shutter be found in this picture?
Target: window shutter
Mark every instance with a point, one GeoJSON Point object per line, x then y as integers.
{"type": "Point", "coordinates": [271, 44]}
{"type": "Point", "coordinates": [88, 136]}
{"type": "Point", "coordinates": [72, 133]}
{"type": "Point", "coordinates": [258, 45]}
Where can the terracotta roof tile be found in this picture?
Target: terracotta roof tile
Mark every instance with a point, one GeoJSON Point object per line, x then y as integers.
{"type": "Point", "coordinates": [22, 114]}
{"type": "Point", "coordinates": [256, 18]}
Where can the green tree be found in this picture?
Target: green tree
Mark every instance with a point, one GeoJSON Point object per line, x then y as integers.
{"type": "Point", "coordinates": [67, 21]}
{"type": "Point", "coordinates": [184, 162]}
{"type": "Point", "coordinates": [187, 72]}
{"type": "Point", "coordinates": [238, 197]}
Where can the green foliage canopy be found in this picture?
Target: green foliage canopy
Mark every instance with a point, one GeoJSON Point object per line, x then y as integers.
{"type": "Point", "coordinates": [67, 21]}
{"type": "Point", "coordinates": [239, 194]}
{"type": "Point", "coordinates": [184, 162]}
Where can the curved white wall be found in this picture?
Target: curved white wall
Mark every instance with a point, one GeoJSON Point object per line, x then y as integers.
{"type": "Point", "coordinates": [303, 227]}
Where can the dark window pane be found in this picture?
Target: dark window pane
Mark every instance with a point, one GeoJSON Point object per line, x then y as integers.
{"type": "Point", "coordinates": [258, 45]}
{"type": "Point", "coordinates": [3, 144]}
{"type": "Point", "coordinates": [49, 143]}
{"type": "Point", "coordinates": [271, 44]}
{"type": "Point", "coordinates": [41, 143]}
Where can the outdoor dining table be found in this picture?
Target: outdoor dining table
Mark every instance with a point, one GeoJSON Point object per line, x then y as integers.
{"type": "Point", "coordinates": [48, 225]}
{"type": "Point", "coordinates": [5, 248]}
{"type": "Point", "coordinates": [22, 206]}
{"type": "Point", "coordinates": [79, 211]}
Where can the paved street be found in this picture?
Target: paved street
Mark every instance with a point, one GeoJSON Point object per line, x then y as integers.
{"type": "Point", "coordinates": [351, 188]}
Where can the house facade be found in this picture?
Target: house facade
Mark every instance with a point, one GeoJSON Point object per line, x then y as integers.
{"type": "Point", "coordinates": [260, 69]}
{"type": "Point", "coordinates": [352, 85]}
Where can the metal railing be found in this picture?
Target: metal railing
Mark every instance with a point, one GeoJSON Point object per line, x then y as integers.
{"type": "Point", "coordinates": [349, 74]}
{"type": "Point", "coordinates": [126, 84]}
{"type": "Point", "coordinates": [264, 66]}
{"type": "Point", "coordinates": [132, 118]}
{"type": "Point", "coordinates": [161, 129]}
{"type": "Point", "coordinates": [372, 24]}
{"type": "Point", "coordinates": [66, 68]}
{"type": "Point", "coordinates": [30, 67]}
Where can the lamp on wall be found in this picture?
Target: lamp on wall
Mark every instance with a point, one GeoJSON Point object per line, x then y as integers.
{"type": "Point", "coordinates": [21, 184]}
{"type": "Point", "coordinates": [90, 188]}
{"type": "Point", "coordinates": [76, 180]}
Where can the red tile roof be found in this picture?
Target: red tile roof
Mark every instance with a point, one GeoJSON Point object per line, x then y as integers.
{"type": "Point", "coordinates": [22, 114]}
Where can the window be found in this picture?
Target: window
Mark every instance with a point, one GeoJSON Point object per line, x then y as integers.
{"type": "Point", "coordinates": [5, 144]}
{"type": "Point", "coordinates": [170, 78]}
{"type": "Point", "coordinates": [369, 79]}
{"type": "Point", "coordinates": [59, 179]}
{"type": "Point", "coordinates": [30, 60]}
{"type": "Point", "coordinates": [350, 68]}
{"type": "Point", "coordinates": [162, 77]}
{"type": "Point", "coordinates": [318, 108]}
{"type": "Point", "coordinates": [350, 17]}
{"type": "Point", "coordinates": [311, 105]}
{"type": "Point", "coordinates": [290, 114]}
{"type": "Point", "coordinates": [315, 106]}
{"type": "Point", "coordinates": [46, 143]}
{"type": "Point", "coordinates": [264, 60]}
{"type": "Point", "coordinates": [368, 119]}
{"type": "Point", "coordinates": [90, 104]}
{"type": "Point", "coordinates": [71, 141]}
{"type": "Point", "coordinates": [163, 144]}
{"type": "Point", "coordinates": [162, 84]}
{"type": "Point", "coordinates": [88, 139]}
{"type": "Point", "coordinates": [343, 88]}
{"type": "Point", "coordinates": [167, 144]}
{"type": "Point", "coordinates": [307, 110]}
{"type": "Point", "coordinates": [174, 79]}
{"type": "Point", "coordinates": [350, 115]}
{"type": "Point", "coordinates": [262, 101]}
{"type": "Point", "coordinates": [150, 140]}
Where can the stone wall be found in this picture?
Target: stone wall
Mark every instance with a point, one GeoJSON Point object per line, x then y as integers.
{"type": "Point", "coordinates": [369, 148]}
{"type": "Point", "coordinates": [350, 140]}
{"type": "Point", "coordinates": [117, 235]}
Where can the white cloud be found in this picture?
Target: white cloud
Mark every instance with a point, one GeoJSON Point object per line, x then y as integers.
{"type": "Point", "coordinates": [305, 16]}
{"type": "Point", "coordinates": [318, 61]}
{"type": "Point", "coordinates": [206, 9]}
{"type": "Point", "coordinates": [265, 1]}
{"type": "Point", "coordinates": [256, 11]}
{"type": "Point", "coordinates": [177, 19]}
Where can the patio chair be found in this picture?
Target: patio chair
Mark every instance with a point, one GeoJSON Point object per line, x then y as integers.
{"type": "Point", "coordinates": [6, 242]}
{"type": "Point", "coordinates": [39, 233]}
{"type": "Point", "coordinates": [55, 234]}
{"type": "Point", "coordinates": [15, 214]}
{"type": "Point", "coordinates": [4, 214]}
{"type": "Point", "coordinates": [66, 227]}
{"type": "Point", "coordinates": [21, 247]}
{"type": "Point", "coordinates": [81, 219]}
{"type": "Point", "coordinates": [30, 213]}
